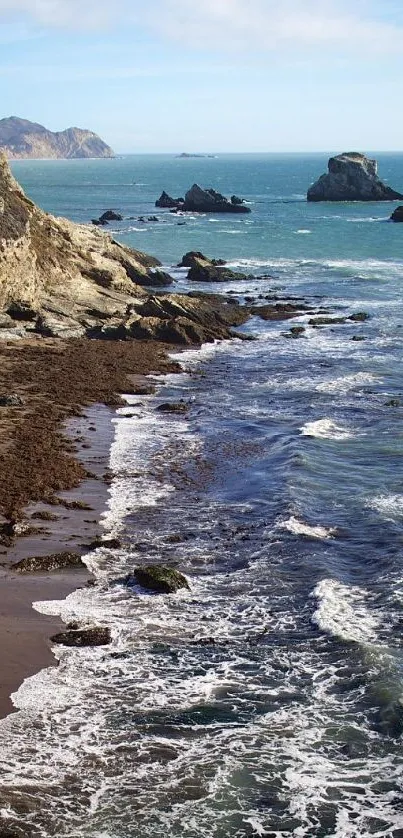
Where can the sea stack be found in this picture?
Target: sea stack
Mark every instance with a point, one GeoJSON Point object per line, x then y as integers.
{"type": "Point", "coordinates": [352, 177]}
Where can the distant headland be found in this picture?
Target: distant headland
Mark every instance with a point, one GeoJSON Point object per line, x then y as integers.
{"type": "Point", "coordinates": [21, 139]}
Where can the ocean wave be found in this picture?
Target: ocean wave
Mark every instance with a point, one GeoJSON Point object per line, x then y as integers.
{"type": "Point", "coordinates": [346, 382]}
{"type": "Point", "coordinates": [389, 506]}
{"type": "Point", "coordinates": [343, 612]}
{"type": "Point", "coordinates": [298, 527]}
{"type": "Point", "coordinates": [302, 232]}
{"type": "Point", "coordinates": [325, 429]}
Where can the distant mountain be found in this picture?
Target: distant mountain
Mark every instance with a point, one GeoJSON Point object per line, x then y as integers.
{"type": "Point", "coordinates": [20, 138]}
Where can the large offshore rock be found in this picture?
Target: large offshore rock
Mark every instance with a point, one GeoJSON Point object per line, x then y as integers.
{"type": "Point", "coordinates": [351, 177]}
{"type": "Point", "coordinates": [397, 215]}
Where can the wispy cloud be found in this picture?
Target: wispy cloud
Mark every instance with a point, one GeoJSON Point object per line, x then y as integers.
{"type": "Point", "coordinates": [369, 25]}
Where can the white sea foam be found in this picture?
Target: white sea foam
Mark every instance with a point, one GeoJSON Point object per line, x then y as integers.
{"type": "Point", "coordinates": [389, 506]}
{"type": "Point", "coordinates": [343, 612]}
{"type": "Point", "coordinates": [297, 527]}
{"type": "Point", "coordinates": [346, 382]}
{"type": "Point", "coordinates": [303, 232]}
{"type": "Point", "coordinates": [325, 429]}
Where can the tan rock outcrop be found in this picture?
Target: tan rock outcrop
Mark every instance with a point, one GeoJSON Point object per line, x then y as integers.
{"type": "Point", "coordinates": [68, 272]}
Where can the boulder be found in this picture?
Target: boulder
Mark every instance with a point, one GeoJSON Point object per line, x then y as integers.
{"type": "Point", "coordinates": [44, 564]}
{"type": "Point", "coordinates": [173, 407]}
{"type": "Point", "coordinates": [97, 636]}
{"type": "Point", "coordinates": [157, 578]}
{"type": "Point", "coordinates": [351, 177]}
{"type": "Point", "coordinates": [110, 215]}
{"type": "Point", "coordinates": [397, 215]}
{"type": "Point", "coordinates": [166, 202]}
{"type": "Point", "coordinates": [208, 200]}
{"type": "Point", "coordinates": [203, 269]}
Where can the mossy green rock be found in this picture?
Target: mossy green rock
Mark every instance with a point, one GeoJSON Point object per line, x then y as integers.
{"type": "Point", "coordinates": [163, 580]}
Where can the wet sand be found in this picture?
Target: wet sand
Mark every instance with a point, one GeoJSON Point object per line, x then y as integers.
{"type": "Point", "coordinates": [48, 459]}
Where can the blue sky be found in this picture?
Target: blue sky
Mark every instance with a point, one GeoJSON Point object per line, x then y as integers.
{"type": "Point", "coordinates": [213, 75]}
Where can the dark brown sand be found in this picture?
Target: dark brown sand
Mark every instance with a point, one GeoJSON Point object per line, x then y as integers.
{"type": "Point", "coordinates": [53, 450]}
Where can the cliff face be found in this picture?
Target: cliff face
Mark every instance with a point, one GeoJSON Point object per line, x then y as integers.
{"type": "Point", "coordinates": [72, 273]}
{"type": "Point", "coordinates": [351, 177]}
{"type": "Point", "coordinates": [20, 139]}
{"type": "Point", "coordinates": [69, 280]}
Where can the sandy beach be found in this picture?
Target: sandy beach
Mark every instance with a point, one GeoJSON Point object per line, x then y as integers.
{"type": "Point", "coordinates": [54, 476]}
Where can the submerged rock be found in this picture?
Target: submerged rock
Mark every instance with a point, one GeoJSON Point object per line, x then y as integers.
{"type": "Point", "coordinates": [97, 636]}
{"type": "Point", "coordinates": [157, 578]}
{"type": "Point", "coordinates": [56, 561]}
{"type": "Point", "coordinates": [397, 215]}
{"type": "Point", "coordinates": [279, 311]}
{"type": "Point", "coordinates": [351, 177]}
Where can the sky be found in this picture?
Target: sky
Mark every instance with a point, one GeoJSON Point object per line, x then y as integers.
{"type": "Point", "coordinates": [208, 75]}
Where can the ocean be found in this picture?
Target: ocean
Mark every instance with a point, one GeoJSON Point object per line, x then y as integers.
{"type": "Point", "coordinates": [268, 699]}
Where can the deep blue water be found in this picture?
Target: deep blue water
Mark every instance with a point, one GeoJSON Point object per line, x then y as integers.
{"type": "Point", "coordinates": [269, 699]}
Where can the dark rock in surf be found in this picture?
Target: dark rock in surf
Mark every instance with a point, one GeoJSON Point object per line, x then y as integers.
{"type": "Point", "coordinates": [173, 407]}
{"type": "Point", "coordinates": [397, 215]}
{"type": "Point", "coordinates": [158, 579]}
{"type": "Point", "coordinates": [351, 177]}
{"type": "Point", "coordinates": [279, 311]}
{"type": "Point", "coordinates": [97, 636]}
{"type": "Point", "coordinates": [359, 317]}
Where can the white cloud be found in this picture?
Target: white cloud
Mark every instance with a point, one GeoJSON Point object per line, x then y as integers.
{"type": "Point", "coordinates": [270, 25]}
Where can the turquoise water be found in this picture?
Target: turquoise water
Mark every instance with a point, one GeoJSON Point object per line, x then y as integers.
{"type": "Point", "coordinates": [276, 186]}
{"type": "Point", "coordinates": [268, 700]}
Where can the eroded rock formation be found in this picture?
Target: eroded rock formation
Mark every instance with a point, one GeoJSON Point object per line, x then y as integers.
{"type": "Point", "coordinates": [203, 200]}
{"type": "Point", "coordinates": [351, 177]}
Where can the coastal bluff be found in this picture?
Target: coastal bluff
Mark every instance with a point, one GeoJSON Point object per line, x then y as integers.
{"type": "Point", "coordinates": [21, 139]}
{"type": "Point", "coordinates": [351, 177]}
{"type": "Point", "coordinates": [64, 280]}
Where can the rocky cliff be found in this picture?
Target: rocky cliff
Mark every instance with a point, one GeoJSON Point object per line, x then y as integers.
{"type": "Point", "coordinates": [21, 139]}
{"type": "Point", "coordinates": [351, 177]}
{"type": "Point", "coordinates": [68, 280]}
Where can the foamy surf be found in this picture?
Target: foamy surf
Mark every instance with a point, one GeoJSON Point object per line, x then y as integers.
{"type": "Point", "coordinates": [343, 612]}
{"type": "Point", "coordinates": [298, 527]}
{"type": "Point", "coordinates": [389, 506]}
{"type": "Point", "coordinates": [325, 429]}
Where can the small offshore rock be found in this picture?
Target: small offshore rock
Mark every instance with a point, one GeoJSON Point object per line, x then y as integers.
{"type": "Point", "coordinates": [359, 317]}
{"type": "Point", "coordinates": [358, 338]}
{"type": "Point", "coordinates": [397, 214]}
{"type": "Point", "coordinates": [157, 578]}
{"type": "Point", "coordinates": [326, 321]}
{"type": "Point", "coordinates": [56, 561]}
{"type": "Point", "coordinates": [173, 407]}
{"type": "Point", "coordinates": [97, 636]}
{"type": "Point", "coordinates": [110, 215]}
{"type": "Point", "coordinates": [393, 403]}
{"type": "Point", "coordinates": [12, 400]}
{"type": "Point", "coordinates": [166, 202]}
